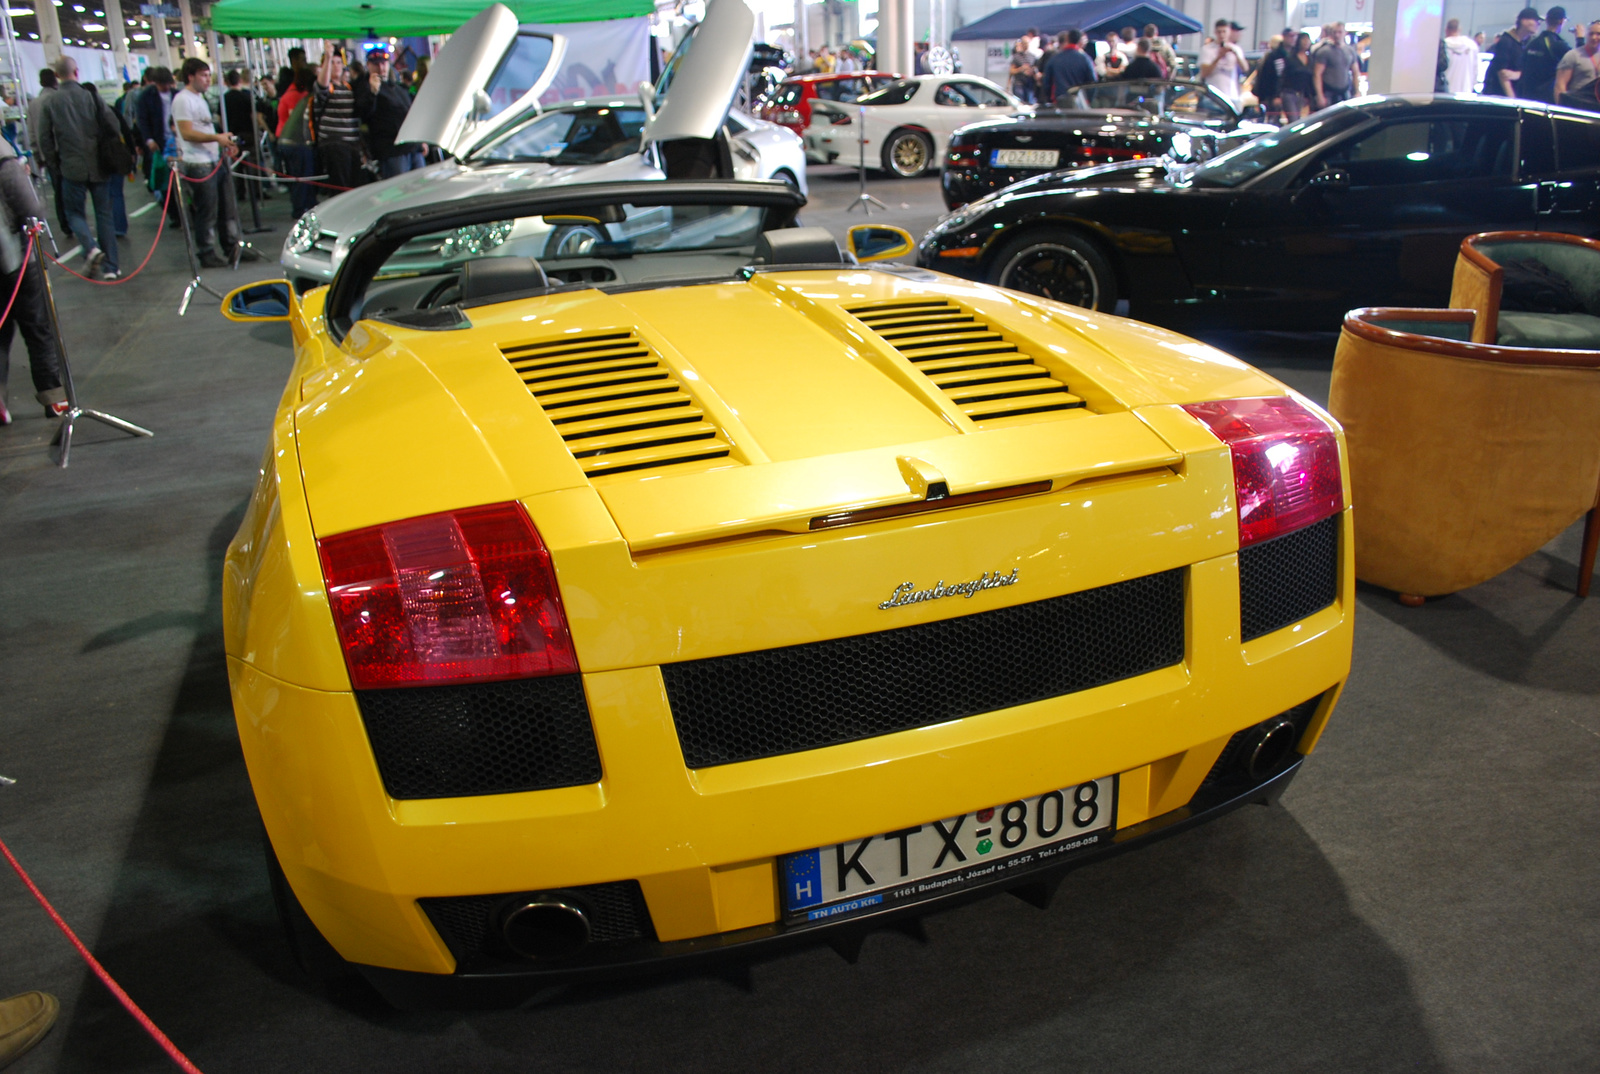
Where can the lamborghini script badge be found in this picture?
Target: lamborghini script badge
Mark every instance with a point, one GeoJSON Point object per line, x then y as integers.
{"type": "Point", "coordinates": [908, 593]}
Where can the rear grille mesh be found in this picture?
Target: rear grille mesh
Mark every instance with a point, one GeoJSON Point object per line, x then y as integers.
{"type": "Point", "coordinates": [764, 704]}
{"type": "Point", "coordinates": [617, 405]}
{"type": "Point", "coordinates": [1283, 580]}
{"type": "Point", "coordinates": [976, 365]}
{"type": "Point", "coordinates": [468, 924]}
{"type": "Point", "coordinates": [481, 738]}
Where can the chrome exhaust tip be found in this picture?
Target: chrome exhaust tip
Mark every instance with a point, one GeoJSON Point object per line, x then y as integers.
{"type": "Point", "coordinates": [544, 928]}
{"type": "Point", "coordinates": [1267, 747]}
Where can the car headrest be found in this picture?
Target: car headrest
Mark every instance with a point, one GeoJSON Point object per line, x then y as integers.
{"type": "Point", "coordinates": [798, 246]}
{"type": "Point", "coordinates": [485, 277]}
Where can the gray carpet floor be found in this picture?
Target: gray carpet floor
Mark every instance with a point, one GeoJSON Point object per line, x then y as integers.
{"type": "Point", "coordinates": [1424, 899]}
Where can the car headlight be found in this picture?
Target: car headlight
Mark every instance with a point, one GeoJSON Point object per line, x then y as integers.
{"type": "Point", "coordinates": [303, 235]}
{"type": "Point", "coordinates": [474, 239]}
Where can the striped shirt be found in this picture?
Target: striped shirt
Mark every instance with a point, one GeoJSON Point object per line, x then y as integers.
{"type": "Point", "coordinates": [335, 116]}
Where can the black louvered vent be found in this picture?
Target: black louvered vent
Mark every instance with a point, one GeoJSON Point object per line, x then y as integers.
{"type": "Point", "coordinates": [481, 738]}
{"type": "Point", "coordinates": [985, 373]}
{"type": "Point", "coordinates": [617, 405]}
{"type": "Point", "coordinates": [469, 924]}
{"type": "Point", "coordinates": [763, 704]}
{"type": "Point", "coordinates": [1283, 580]}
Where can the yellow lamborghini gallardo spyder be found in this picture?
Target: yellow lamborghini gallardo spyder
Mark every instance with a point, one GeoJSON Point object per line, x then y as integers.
{"type": "Point", "coordinates": [634, 577]}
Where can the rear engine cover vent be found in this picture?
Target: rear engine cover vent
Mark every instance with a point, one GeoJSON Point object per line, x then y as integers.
{"type": "Point", "coordinates": [987, 376]}
{"type": "Point", "coordinates": [617, 405]}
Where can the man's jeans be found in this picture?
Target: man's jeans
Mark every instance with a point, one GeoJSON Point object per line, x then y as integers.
{"type": "Point", "coordinates": [74, 193]}
{"type": "Point", "coordinates": [400, 163]}
{"type": "Point", "coordinates": [215, 209]}
{"type": "Point", "coordinates": [119, 208]}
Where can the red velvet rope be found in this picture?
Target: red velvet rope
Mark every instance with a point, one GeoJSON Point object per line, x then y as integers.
{"type": "Point", "coordinates": [27, 254]}
{"type": "Point", "coordinates": [161, 226]}
{"type": "Point", "coordinates": [100, 971]}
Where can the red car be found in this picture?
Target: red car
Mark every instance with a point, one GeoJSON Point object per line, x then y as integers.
{"type": "Point", "coordinates": [790, 105]}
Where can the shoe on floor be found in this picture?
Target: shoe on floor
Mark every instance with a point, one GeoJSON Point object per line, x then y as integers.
{"type": "Point", "coordinates": [91, 261]}
{"type": "Point", "coordinates": [5, 415]}
{"type": "Point", "coordinates": [248, 254]}
{"type": "Point", "coordinates": [24, 1020]}
{"type": "Point", "coordinates": [110, 276]}
{"type": "Point", "coordinates": [54, 401]}
{"type": "Point", "coordinates": [211, 260]}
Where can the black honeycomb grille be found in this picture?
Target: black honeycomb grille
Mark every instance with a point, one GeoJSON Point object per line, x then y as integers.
{"type": "Point", "coordinates": [1283, 580]}
{"type": "Point", "coordinates": [763, 704]}
{"type": "Point", "coordinates": [481, 738]}
{"type": "Point", "coordinates": [469, 924]}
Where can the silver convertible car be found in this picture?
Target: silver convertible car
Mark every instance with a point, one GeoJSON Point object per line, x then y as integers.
{"type": "Point", "coordinates": [480, 104]}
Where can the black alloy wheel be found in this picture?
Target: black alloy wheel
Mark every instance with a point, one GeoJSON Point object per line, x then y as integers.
{"type": "Point", "coordinates": [1057, 264]}
{"type": "Point", "coordinates": [907, 154]}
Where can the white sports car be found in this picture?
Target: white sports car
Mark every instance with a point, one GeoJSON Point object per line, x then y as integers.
{"type": "Point", "coordinates": [502, 141]}
{"type": "Point", "coordinates": [908, 123]}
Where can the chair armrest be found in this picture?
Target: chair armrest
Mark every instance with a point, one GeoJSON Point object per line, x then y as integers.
{"type": "Point", "coordinates": [1476, 285]}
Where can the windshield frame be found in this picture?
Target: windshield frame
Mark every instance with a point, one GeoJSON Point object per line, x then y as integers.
{"type": "Point", "coordinates": [507, 131]}
{"type": "Point", "coordinates": [373, 248]}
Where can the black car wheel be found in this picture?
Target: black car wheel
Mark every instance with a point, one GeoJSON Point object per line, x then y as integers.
{"type": "Point", "coordinates": [907, 154]}
{"type": "Point", "coordinates": [314, 954]}
{"type": "Point", "coordinates": [1057, 264]}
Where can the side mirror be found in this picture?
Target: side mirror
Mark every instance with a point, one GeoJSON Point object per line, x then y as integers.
{"type": "Point", "coordinates": [879, 242]}
{"type": "Point", "coordinates": [269, 300]}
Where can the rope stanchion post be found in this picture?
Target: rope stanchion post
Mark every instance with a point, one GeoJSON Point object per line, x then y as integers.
{"type": "Point", "coordinates": [75, 410]}
{"type": "Point", "coordinates": [196, 283]}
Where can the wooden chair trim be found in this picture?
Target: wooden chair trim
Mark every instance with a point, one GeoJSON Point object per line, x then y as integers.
{"type": "Point", "coordinates": [1471, 241]}
{"type": "Point", "coordinates": [1359, 323]}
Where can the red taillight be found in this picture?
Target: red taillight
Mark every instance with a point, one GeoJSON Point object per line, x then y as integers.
{"type": "Point", "coordinates": [963, 156]}
{"type": "Point", "coordinates": [838, 119]}
{"type": "Point", "coordinates": [464, 596]}
{"type": "Point", "coordinates": [1285, 463]}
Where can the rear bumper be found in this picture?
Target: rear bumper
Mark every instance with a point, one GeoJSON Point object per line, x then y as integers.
{"type": "Point", "coordinates": [508, 988]}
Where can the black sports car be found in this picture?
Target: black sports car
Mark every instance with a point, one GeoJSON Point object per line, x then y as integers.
{"type": "Point", "coordinates": [1362, 204]}
{"type": "Point", "coordinates": [1106, 121]}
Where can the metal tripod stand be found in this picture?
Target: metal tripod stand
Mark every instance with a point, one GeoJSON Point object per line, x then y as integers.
{"type": "Point", "coordinates": [197, 283]}
{"type": "Point", "coordinates": [864, 201]}
{"type": "Point", "coordinates": [75, 410]}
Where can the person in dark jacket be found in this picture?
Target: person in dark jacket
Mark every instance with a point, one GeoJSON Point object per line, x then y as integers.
{"type": "Point", "coordinates": [1541, 56]}
{"type": "Point", "coordinates": [382, 104]}
{"type": "Point", "coordinates": [29, 312]}
{"type": "Point", "coordinates": [69, 140]}
{"type": "Point", "coordinates": [1142, 66]}
{"type": "Point", "coordinates": [151, 112]}
{"type": "Point", "coordinates": [1069, 68]}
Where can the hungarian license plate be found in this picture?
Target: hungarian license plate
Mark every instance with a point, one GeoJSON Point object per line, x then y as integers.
{"type": "Point", "coordinates": [927, 860]}
{"type": "Point", "coordinates": [1024, 158]}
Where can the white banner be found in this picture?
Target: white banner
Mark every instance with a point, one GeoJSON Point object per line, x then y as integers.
{"type": "Point", "coordinates": [603, 58]}
{"type": "Point", "coordinates": [94, 65]}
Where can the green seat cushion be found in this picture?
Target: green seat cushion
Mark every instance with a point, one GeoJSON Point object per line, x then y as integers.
{"type": "Point", "coordinates": [1461, 330]}
{"type": "Point", "coordinates": [1565, 331]}
{"type": "Point", "coordinates": [1578, 265]}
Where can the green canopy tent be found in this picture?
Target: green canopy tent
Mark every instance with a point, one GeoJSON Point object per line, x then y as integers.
{"type": "Point", "coordinates": [397, 18]}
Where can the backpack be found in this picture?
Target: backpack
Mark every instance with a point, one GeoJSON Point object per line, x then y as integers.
{"type": "Point", "coordinates": [110, 148]}
{"type": "Point", "coordinates": [297, 126]}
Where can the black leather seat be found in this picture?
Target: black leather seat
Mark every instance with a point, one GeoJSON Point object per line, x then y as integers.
{"type": "Point", "coordinates": [485, 278]}
{"type": "Point", "coordinates": [798, 246]}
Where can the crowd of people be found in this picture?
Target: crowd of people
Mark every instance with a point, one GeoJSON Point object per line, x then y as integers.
{"type": "Point", "coordinates": [333, 124]}
{"type": "Point", "coordinates": [1044, 68]}
{"type": "Point", "coordinates": [1547, 65]}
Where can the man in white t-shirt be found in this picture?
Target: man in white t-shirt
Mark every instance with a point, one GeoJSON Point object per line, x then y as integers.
{"type": "Point", "coordinates": [1461, 51]}
{"type": "Point", "coordinates": [1222, 62]}
{"type": "Point", "coordinates": [203, 163]}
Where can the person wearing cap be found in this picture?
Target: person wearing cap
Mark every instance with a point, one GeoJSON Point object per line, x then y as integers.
{"type": "Point", "coordinates": [1334, 71]}
{"type": "Point", "coordinates": [382, 104]}
{"type": "Point", "coordinates": [1505, 69]}
{"type": "Point", "coordinates": [1222, 61]}
{"type": "Point", "coordinates": [1541, 57]}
